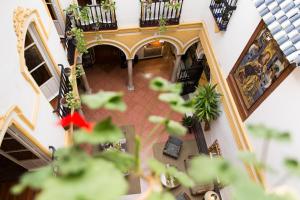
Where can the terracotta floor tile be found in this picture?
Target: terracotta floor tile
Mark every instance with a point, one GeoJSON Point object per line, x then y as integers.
{"type": "Point", "coordinates": [141, 102]}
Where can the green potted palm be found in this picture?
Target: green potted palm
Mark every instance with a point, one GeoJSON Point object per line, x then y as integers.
{"type": "Point", "coordinates": [207, 104]}
{"type": "Point", "coordinates": [187, 121]}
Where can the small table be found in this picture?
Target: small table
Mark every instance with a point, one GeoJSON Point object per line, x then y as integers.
{"type": "Point", "coordinates": [211, 195]}
{"type": "Point", "coordinates": [169, 181]}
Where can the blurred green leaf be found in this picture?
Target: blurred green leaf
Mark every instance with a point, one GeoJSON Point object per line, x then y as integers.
{"type": "Point", "coordinates": [261, 131]}
{"type": "Point", "coordinates": [162, 85]}
{"type": "Point", "coordinates": [176, 102]}
{"type": "Point", "coordinates": [103, 132]}
{"type": "Point", "coordinates": [108, 100]}
{"type": "Point", "coordinates": [175, 128]}
{"type": "Point", "coordinates": [182, 177]}
{"type": "Point", "coordinates": [251, 159]}
{"type": "Point", "coordinates": [160, 196]}
{"type": "Point", "coordinates": [292, 165]}
{"type": "Point", "coordinates": [160, 168]}
{"type": "Point", "coordinates": [157, 167]}
{"type": "Point", "coordinates": [35, 180]}
{"type": "Point", "coordinates": [172, 127]}
{"type": "Point", "coordinates": [101, 180]}
{"type": "Point", "coordinates": [70, 161]}
{"type": "Point", "coordinates": [212, 169]}
{"type": "Point", "coordinates": [123, 161]}
{"type": "Point", "coordinates": [137, 149]}
{"type": "Point", "coordinates": [157, 119]}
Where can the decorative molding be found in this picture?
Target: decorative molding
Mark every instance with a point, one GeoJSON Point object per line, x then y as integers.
{"type": "Point", "coordinates": [132, 39]}
{"type": "Point", "coordinates": [19, 19]}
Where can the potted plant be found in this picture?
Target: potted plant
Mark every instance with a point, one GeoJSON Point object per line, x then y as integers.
{"type": "Point", "coordinates": [187, 121]}
{"type": "Point", "coordinates": [108, 5]}
{"type": "Point", "coordinates": [72, 102]}
{"type": "Point", "coordinates": [80, 41]}
{"type": "Point", "coordinates": [173, 4]}
{"type": "Point", "coordinates": [63, 102]}
{"type": "Point", "coordinates": [67, 71]}
{"type": "Point", "coordinates": [84, 14]}
{"type": "Point", "coordinates": [79, 70]}
{"type": "Point", "coordinates": [207, 104]}
{"type": "Point", "coordinates": [162, 24]}
{"type": "Point", "coordinates": [72, 10]}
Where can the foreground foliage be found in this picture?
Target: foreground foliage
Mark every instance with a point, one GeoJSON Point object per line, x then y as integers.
{"type": "Point", "coordinates": [77, 173]}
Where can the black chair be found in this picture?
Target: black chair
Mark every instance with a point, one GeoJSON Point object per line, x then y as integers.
{"type": "Point", "coordinates": [172, 147]}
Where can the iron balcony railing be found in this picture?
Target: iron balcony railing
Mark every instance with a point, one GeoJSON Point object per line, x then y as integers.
{"type": "Point", "coordinates": [152, 12]}
{"type": "Point", "coordinates": [64, 87]}
{"type": "Point", "coordinates": [222, 11]}
{"type": "Point", "coordinates": [98, 19]}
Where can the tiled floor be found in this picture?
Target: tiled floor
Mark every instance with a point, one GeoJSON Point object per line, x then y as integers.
{"type": "Point", "coordinates": [141, 102]}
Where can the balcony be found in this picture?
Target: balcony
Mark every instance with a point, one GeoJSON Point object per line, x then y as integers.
{"type": "Point", "coordinates": [152, 12]}
{"type": "Point", "coordinates": [222, 11]}
{"type": "Point", "coordinates": [64, 87]}
{"type": "Point", "coordinates": [98, 18]}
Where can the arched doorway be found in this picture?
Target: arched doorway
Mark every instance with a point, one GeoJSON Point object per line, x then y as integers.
{"type": "Point", "coordinates": [155, 58]}
{"type": "Point", "coordinates": [101, 63]}
{"type": "Point", "coordinates": [193, 70]}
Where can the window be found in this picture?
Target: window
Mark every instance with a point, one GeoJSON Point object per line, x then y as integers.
{"type": "Point", "coordinates": [56, 16]}
{"type": "Point", "coordinates": [35, 63]}
{"type": "Point", "coordinates": [51, 9]}
{"type": "Point", "coordinates": [39, 65]}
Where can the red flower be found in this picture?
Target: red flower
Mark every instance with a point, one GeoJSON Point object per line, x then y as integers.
{"type": "Point", "coordinates": [77, 120]}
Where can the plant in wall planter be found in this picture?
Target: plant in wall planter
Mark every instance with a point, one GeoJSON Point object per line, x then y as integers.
{"type": "Point", "coordinates": [84, 14]}
{"type": "Point", "coordinates": [187, 121]}
{"type": "Point", "coordinates": [72, 101]}
{"type": "Point", "coordinates": [80, 41]}
{"type": "Point", "coordinates": [67, 71]}
{"type": "Point", "coordinates": [108, 5]}
{"type": "Point", "coordinates": [207, 104]}
{"type": "Point", "coordinates": [173, 4]}
{"type": "Point", "coordinates": [147, 3]}
{"type": "Point", "coordinates": [162, 25]}
{"type": "Point", "coordinates": [72, 10]}
{"type": "Point", "coordinates": [69, 35]}
{"type": "Point", "coordinates": [79, 70]}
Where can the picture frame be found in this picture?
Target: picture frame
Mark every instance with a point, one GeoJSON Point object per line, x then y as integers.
{"type": "Point", "coordinates": [260, 68]}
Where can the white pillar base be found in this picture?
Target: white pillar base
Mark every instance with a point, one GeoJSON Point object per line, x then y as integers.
{"type": "Point", "coordinates": [130, 88]}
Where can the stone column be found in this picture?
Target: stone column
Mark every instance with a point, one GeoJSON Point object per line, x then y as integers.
{"type": "Point", "coordinates": [83, 76]}
{"type": "Point", "coordinates": [86, 84]}
{"type": "Point", "coordinates": [130, 78]}
{"type": "Point", "coordinates": [175, 68]}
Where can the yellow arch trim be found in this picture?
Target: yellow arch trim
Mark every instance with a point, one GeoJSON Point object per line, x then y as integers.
{"type": "Point", "coordinates": [190, 43]}
{"type": "Point", "coordinates": [114, 43]}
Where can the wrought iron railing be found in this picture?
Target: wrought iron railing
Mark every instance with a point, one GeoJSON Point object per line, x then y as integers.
{"type": "Point", "coordinates": [189, 76]}
{"type": "Point", "coordinates": [99, 18]}
{"type": "Point", "coordinates": [70, 43]}
{"type": "Point", "coordinates": [155, 11]}
{"type": "Point", "coordinates": [64, 87]}
{"type": "Point", "coordinates": [222, 11]}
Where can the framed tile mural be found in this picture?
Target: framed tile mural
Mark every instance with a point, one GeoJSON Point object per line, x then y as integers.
{"type": "Point", "coordinates": [260, 68]}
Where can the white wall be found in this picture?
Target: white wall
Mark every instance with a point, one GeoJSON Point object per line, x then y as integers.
{"type": "Point", "coordinates": [14, 89]}
{"type": "Point", "coordinates": [281, 110]}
